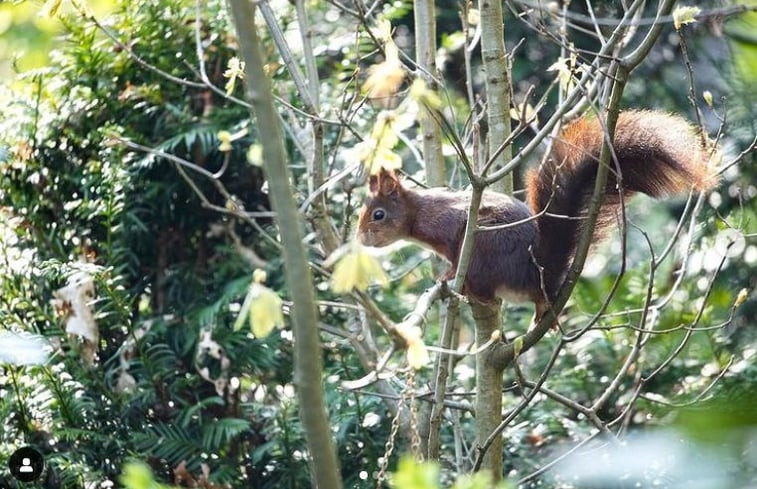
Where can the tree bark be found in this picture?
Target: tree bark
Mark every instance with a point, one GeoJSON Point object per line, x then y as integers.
{"type": "Point", "coordinates": [308, 366]}
{"type": "Point", "coordinates": [425, 57]}
{"type": "Point", "coordinates": [489, 385]}
{"type": "Point", "coordinates": [494, 57]}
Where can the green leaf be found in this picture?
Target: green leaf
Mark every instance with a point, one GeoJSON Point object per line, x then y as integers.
{"type": "Point", "coordinates": [137, 475]}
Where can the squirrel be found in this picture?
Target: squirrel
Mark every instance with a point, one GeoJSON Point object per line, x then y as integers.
{"type": "Point", "coordinates": [658, 154]}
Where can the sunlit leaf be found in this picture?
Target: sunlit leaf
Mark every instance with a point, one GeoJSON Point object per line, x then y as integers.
{"type": "Point", "coordinates": [565, 68]}
{"type": "Point", "coordinates": [137, 475]}
{"type": "Point", "coordinates": [517, 346]}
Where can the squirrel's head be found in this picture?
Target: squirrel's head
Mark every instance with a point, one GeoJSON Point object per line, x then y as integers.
{"type": "Point", "coordinates": [385, 216]}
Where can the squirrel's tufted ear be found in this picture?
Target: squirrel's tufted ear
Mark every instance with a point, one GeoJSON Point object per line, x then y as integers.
{"type": "Point", "coordinates": [384, 183]}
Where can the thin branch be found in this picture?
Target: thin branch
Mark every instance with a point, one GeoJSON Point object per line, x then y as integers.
{"type": "Point", "coordinates": [307, 355]}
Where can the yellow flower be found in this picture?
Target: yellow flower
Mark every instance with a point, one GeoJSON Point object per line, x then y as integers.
{"type": "Point", "coordinates": [255, 155]}
{"type": "Point", "coordinates": [235, 70]}
{"type": "Point", "coordinates": [225, 141]}
{"type": "Point", "coordinates": [741, 298]}
{"type": "Point", "coordinates": [259, 276]}
{"type": "Point", "coordinates": [383, 158]}
{"type": "Point", "coordinates": [356, 270]}
{"type": "Point", "coordinates": [265, 311]}
{"type": "Point", "coordinates": [384, 79]}
{"type": "Point", "coordinates": [423, 95]}
{"type": "Point", "coordinates": [707, 95]}
{"type": "Point", "coordinates": [684, 15]}
{"type": "Point", "coordinates": [375, 152]}
{"type": "Point", "coordinates": [261, 308]}
{"type": "Point", "coordinates": [474, 16]}
{"type": "Point", "coordinates": [51, 7]}
{"type": "Point", "coordinates": [525, 109]}
{"type": "Point", "coordinates": [417, 354]}
{"type": "Point", "coordinates": [383, 130]}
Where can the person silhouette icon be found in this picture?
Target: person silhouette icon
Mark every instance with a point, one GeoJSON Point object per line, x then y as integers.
{"type": "Point", "coordinates": [26, 465]}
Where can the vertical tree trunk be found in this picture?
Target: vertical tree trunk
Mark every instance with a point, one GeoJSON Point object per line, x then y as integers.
{"type": "Point", "coordinates": [307, 349]}
{"type": "Point", "coordinates": [497, 85]}
{"type": "Point", "coordinates": [489, 374]}
{"type": "Point", "coordinates": [424, 12]}
{"type": "Point", "coordinates": [425, 56]}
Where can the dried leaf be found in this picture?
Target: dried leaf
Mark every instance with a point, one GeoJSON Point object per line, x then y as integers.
{"type": "Point", "coordinates": [75, 295]}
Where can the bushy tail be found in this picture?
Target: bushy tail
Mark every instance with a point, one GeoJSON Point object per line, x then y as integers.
{"type": "Point", "coordinates": [658, 154]}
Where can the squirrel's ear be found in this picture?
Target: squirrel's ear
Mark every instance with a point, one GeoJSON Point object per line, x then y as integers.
{"type": "Point", "coordinates": [373, 183]}
{"type": "Point", "coordinates": [384, 183]}
{"type": "Point", "coordinates": [388, 182]}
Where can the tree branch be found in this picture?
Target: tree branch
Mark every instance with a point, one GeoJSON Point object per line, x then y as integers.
{"type": "Point", "coordinates": [307, 348]}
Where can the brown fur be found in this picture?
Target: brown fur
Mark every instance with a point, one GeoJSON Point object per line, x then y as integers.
{"type": "Point", "coordinates": [658, 154]}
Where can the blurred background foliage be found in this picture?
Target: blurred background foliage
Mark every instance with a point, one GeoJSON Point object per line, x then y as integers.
{"type": "Point", "coordinates": [174, 385]}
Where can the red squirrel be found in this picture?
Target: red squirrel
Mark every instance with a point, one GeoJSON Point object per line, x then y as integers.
{"type": "Point", "coordinates": [658, 154]}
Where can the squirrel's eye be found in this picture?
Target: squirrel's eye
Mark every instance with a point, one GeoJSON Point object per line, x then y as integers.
{"type": "Point", "coordinates": [378, 214]}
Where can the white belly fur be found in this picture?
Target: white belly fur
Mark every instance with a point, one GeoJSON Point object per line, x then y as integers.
{"type": "Point", "coordinates": [511, 295]}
